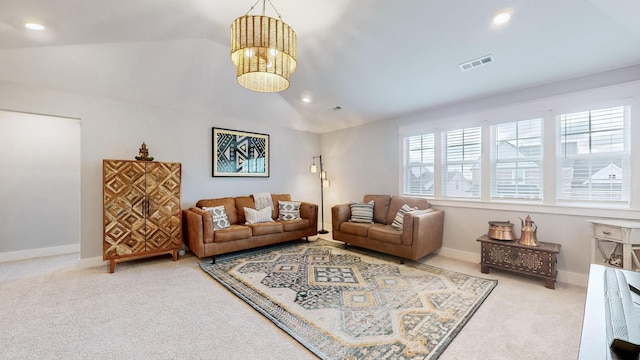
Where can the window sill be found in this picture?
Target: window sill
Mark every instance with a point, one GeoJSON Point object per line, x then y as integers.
{"type": "Point", "coordinates": [575, 210]}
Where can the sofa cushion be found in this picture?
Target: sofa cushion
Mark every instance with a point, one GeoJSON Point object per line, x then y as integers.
{"type": "Point", "coordinates": [241, 203]}
{"type": "Point", "coordinates": [219, 215]}
{"type": "Point", "coordinates": [359, 229]}
{"type": "Point", "coordinates": [398, 201]}
{"type": "Point", "coordinates": [399, 219]}
{"type": "Point", "coordinates": [293, 225]}
{"type": "Point", "coordinates": [362, 212]}
{"type": "Point", "coordinates": [232, 233]}
{"type": "Point", "coordinates": [229, 207]}
{"type": "Point", "coordinates": [381, 208]}
{"type": "Point", "coordinates": [288, 210]}
{"type": "Point", "coordinates": [266, 228]}
{"type": "Point", "coordinates": [253, 216]}
{"type": "Point", "coordinates": [386, 234]}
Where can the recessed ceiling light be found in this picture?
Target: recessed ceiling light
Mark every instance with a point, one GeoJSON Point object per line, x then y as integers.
{"type": "Point", "coordinates": [502, 18]}
{"type": "Point", "coordinates": [306, 99]}
{"type": "Point", "coordinates": [34, 26]}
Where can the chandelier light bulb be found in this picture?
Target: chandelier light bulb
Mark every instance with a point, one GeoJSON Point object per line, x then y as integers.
{"type": "Point", "coordinates": [314, 168]}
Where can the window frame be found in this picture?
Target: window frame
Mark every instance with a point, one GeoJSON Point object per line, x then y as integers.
{"type": "Point", "coordinates": [624, 156]}
{"type": "Point", "coordinates": [494, 159]}
{"type": "Point", "coordinates": [546, 108]}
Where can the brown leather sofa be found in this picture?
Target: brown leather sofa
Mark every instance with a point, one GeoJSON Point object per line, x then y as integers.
{"type": "Point", "coordinates": [203, 241]}
{"type": "Point", "coordinates": [421, 231]}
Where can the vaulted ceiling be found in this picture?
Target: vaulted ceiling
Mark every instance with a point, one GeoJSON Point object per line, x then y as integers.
{"type": "Point", "coordinates": [374, 59]}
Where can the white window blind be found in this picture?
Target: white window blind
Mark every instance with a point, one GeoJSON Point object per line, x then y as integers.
{"type": "Point", "coordinates": [461, 163]}
{"type": "Point", "coordinates": [419, 164]}
{"type": "Point", "coordinates": [594, 156]}
{"type": "Point", "coordinates": [516, 154]}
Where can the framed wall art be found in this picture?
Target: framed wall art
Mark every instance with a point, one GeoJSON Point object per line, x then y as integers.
{"type": "Point", "coordinates": [240, 153]}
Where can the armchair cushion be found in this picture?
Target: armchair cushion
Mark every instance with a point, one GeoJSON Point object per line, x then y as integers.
{"type": "Point", "coordinates": [386, 234]}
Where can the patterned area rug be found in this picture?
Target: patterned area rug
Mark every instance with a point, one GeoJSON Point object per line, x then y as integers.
{"type": "Point", "coordinates": [353, 304]}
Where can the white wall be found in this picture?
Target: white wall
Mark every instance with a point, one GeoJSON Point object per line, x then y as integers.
{"type": "Point", "coordinates": [115, 129]}
{"type": "Point", "coordinates": [367, 160]}
{"type": "Point", "coordinates": [39, 182]}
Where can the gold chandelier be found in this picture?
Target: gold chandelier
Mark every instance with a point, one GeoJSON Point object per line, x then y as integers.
{"type": "Point", "coordinates": [263, 49]}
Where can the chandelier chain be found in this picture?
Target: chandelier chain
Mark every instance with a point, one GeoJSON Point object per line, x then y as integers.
{"type": "Point", "coordinates": [264, 4]}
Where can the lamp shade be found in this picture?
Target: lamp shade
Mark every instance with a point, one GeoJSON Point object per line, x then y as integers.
{"type": "Point", "coordinates": [314, 168]}
{"type": "Point", "coordinates": [263, 49]}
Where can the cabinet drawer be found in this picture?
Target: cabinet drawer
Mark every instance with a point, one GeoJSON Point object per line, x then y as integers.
{"type": "Point", "coordinates": [608, 232]}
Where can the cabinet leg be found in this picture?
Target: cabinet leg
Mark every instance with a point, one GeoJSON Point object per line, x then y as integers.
{"type": "Point", "coordinates": [112, 266]}
{"type": "Point", "coordinates": [175, 255]}
{"type": "Point", "coordinates": [484, 269]}
{"type": "Point", "coordinates": [550, 284]}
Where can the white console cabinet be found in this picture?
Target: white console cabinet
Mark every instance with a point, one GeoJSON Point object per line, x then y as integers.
{"type": "Point", "coordinates": [611, 237]}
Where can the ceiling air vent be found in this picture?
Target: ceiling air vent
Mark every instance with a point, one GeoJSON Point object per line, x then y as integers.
{"type": "Point", "coordinates": [472, 64]}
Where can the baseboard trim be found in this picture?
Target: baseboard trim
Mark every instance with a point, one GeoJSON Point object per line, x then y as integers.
{"type": "Point", "coordinates": [567, 277]}
{"type": "Point", "coordinates": [92, 262]}
{"type": "Point", "coordinates": [41, 252]}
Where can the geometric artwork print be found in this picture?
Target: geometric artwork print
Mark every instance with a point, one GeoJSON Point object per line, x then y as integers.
{"type": "Point", "coordinates": [240, 154]}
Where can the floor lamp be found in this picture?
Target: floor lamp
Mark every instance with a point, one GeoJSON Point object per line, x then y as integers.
{"type": "Point", "coordinates": [324, 182]}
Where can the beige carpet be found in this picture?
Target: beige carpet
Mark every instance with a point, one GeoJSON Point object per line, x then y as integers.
{"type": "Point", "coordinates": [160, 309]}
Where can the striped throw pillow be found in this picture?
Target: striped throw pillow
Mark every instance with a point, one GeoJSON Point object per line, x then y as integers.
{"type": "Point", "coordinates": [362, 212]}
{"type": "Point", "coordinates": [288, 210]}
{"type": "Point", "coordinates": [219, 215]}
{"type": "Point", "coordinates": [254, 216]}
{"type": "Point", "coordinates": [398, 222]}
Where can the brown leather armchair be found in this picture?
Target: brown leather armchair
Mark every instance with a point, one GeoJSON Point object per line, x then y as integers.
{"type": "Point", "coordinates": [421, 232]}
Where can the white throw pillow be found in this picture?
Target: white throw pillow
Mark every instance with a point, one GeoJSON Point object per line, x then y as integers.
{"type": "Point", "coordinates": [288, 210]}
{"type": "Point", "coordinates": [220, 219]}
{"type": "Point", "coordinates": [254, 216]}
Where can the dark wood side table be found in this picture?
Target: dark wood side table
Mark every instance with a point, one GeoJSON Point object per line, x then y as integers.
{"type": "Point", "coordinates": [538, 260]}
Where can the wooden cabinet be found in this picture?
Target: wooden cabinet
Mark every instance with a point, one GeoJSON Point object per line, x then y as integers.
{"type": "Point", "coordinates": [615, 243]}
{"type": "Point", "coordinates": [142, 209]}
{"type": "Point", "coordinates": [509, 255]}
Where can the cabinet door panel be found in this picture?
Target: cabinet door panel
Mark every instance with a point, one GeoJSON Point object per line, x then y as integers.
{"type": "Point", "coordinates": [124, 221]}
{"type": "Point", "coordinates": [164, 221]}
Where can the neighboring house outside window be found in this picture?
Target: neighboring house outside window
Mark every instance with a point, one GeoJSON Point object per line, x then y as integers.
{"type": "Point", "coordinates": [419, 164]}
{"type": "Point", "coordinates": [461, 163]}
{"type": "Point", "coordinates": [516, 160]}
{"type": "Point", "coordinates": [593, 156]}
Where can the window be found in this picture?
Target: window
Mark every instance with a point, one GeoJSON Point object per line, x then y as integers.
{"type": "Point", "coordinates": [419, 165]}
{"type": "Point", "coordinates": [461, 163]}
{"type": "Point", "coordinates": [516, 160]}
{"type": "Point", "coordinates": [594, 156]}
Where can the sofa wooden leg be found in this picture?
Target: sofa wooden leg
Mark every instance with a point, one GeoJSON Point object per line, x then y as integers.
{"type": "Point", "coordinates": [213, 259]}
{"type": "Point", "coordinates": [401, 260]}
{"type": "Point", "coordinates": [346, 245]}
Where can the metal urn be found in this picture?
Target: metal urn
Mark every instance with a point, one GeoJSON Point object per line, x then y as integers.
{"type": "Point", "coordinates": [528, 232]}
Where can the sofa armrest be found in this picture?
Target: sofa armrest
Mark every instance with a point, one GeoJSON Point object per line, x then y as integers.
{"type": "Point", "coordinates": [423, 228]}
{"type": "Point", "coordinates": [198, 225]}
{"type": "Point", "coordinates": [309, 211]}
{"type": "Point", "coordinates": [340, 213]}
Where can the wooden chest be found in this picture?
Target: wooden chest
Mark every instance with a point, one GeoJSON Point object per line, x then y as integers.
{"type": "Point", "coordinates": [538, 261]}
